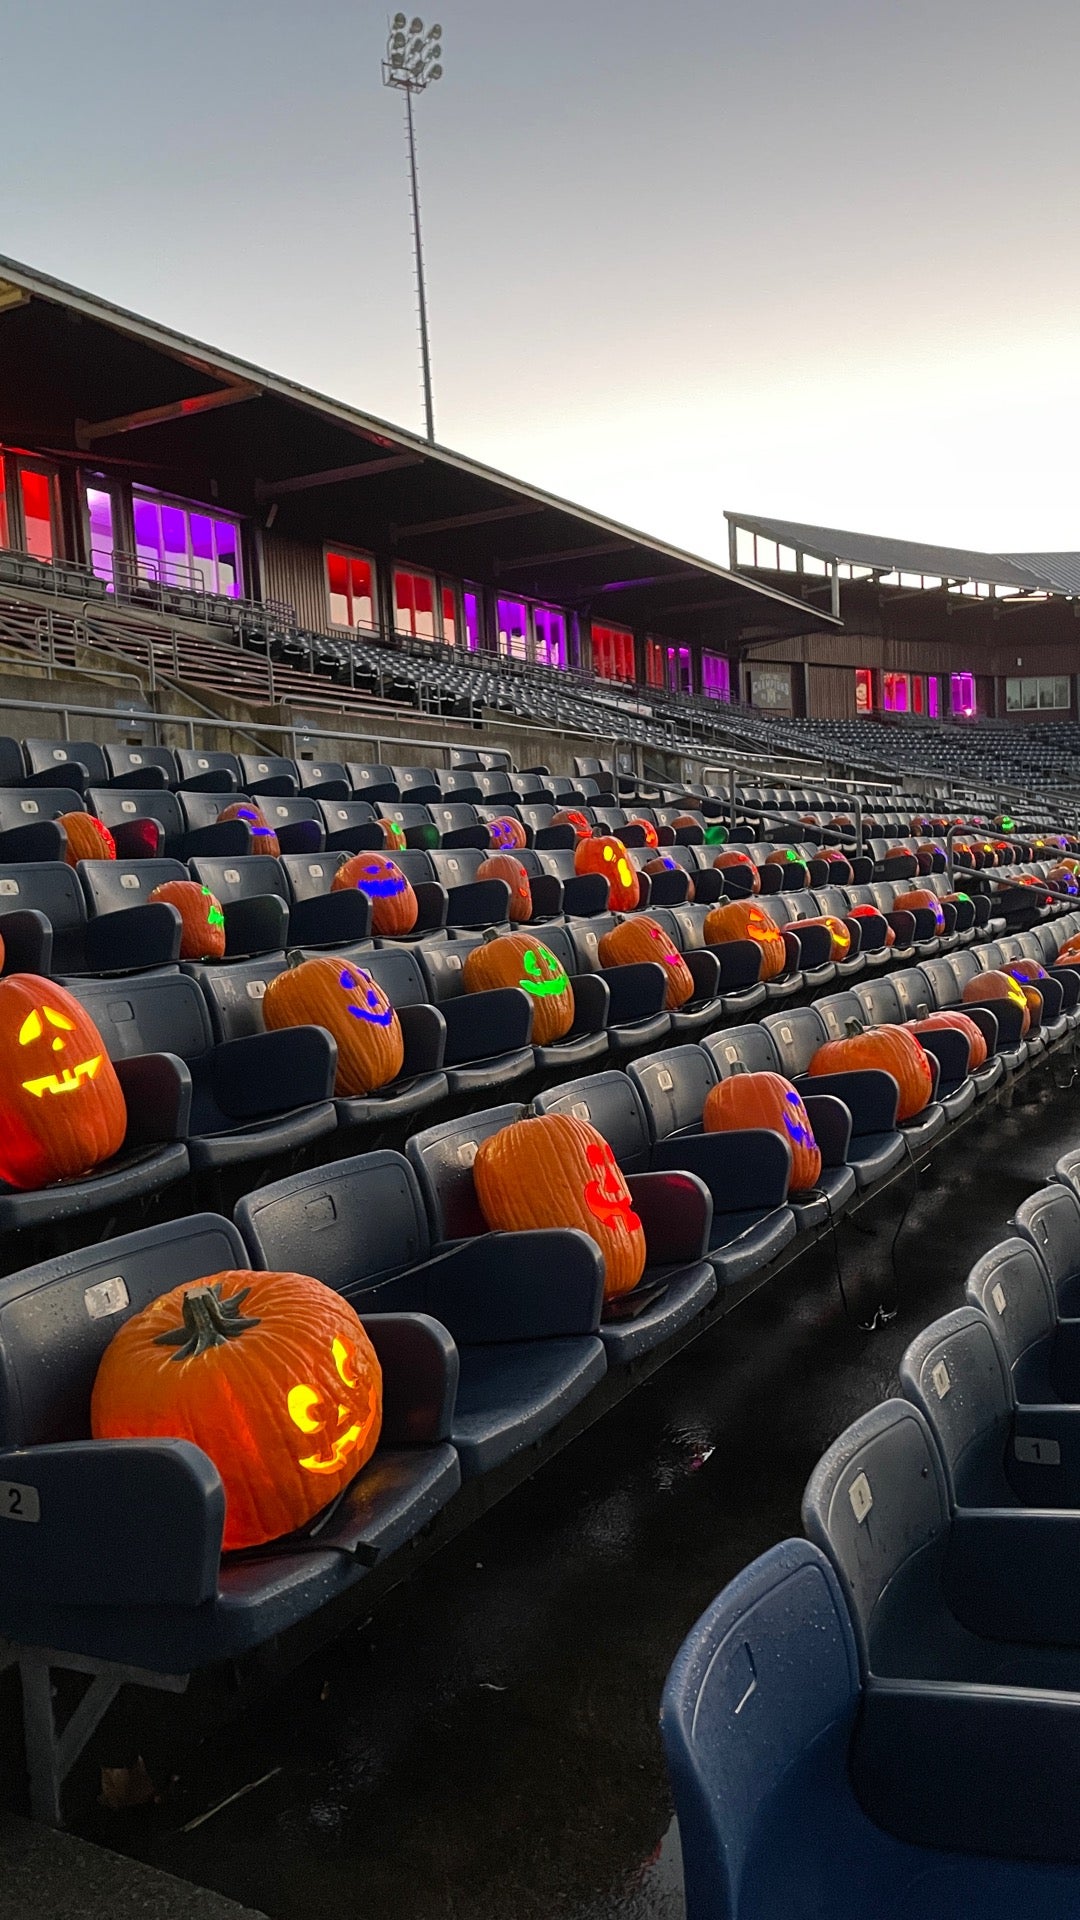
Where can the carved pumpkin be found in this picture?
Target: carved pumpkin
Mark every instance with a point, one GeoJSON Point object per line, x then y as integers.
{"type": "Point", "coordinates": [202, 921]}
{"type": "Point", "coordinates": [570, 817]}
{"type": "Point", "coordinates": [839, 934]}
{"type": "Point", "coordinates": [608, 856]}
{"type": "Point", "coordinates": [333, 993]}
{"type": "Point", "coordinates": [873, 913]}
{"type": "Point", "coordinates": [393, 835]}
{"type": "Point", "coordinates": [559, 1172]}
{"type": "Point", "coordinates": [788, 857]}
{"type": "Point", "coordinates": [393, 902]}
{"type": "Point", "coordinates": [1027, 974]}
{"type": "Point", "coordinates": [892, 1050]}
{"type": "Point", "coordinates": [507, 833]}
{"type": "Point", "coordinates": [652, 838]}
{"type": "Point", "coordinates": [687, 822]}
{"type": "Point", "coordinates": [842, 874]}
{"type": "Point", "coordinates": [998, 986]}
{"type": "Point", "coordinates": [521, 960]}
{"type": "Point", "coordinates": [953, 1021]}
{"type": "Point", "coordinates": [642, 938]}
{"type": "Point", "coordinates": [667, 863]}
{"type": "Point", "coordinates": [1069, 953]}
{"type": "Point", "coordinates": [745, 920]}
{"type": "Point", "coordinates": [921, 900]}
{"type": "Point", "coordinates": [61, 1108]}
{"type": "Point", "coordinates": [766, 1100]}
{"type": "Point", "coordinates": [748, 871]}
{"type": "Point", "coordinates": [87, 838]}
{"type": "Point", "coordinates": [263, 835]}
{"type": "Point", "coordinates": [271, 1374]}
{"type": "Point", "coordinates": [1063, 878]}
{"type": "Point", "coordinates": [503, 866]}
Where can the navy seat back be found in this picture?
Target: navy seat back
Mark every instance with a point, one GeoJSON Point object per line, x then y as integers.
{"type": "Point", "coordinates": [417, 783]}
{"type": "Point", "coordinates": [111, 885]}
{"type": "Point", "coordinates": [349, 1225]}
{"type": "Point", "coordinates": [52, 888]}
{"type": "Point", "coordinates": [44, 755]}
{"type": "Point", "coordinates": [404, 816]}
{"type": "Point", "coordinates": [57, 1318]}
{"type": "Point", "coordinates": [495, 784]}
{"type": "Point", "coordinates": [130, 764]}
{"type": "Point", "coordinates": [954, 1373]}
{"type": "Point", "coordinates": [243, 877]}
{"type": "Point", "coordinates": [460, 782]}
{"type": "Point", "coordinates": [942, 981]}
{"type": "Point", "coordinates": [118, 806]}
{"type": "Point", "coordinates": [880, 1003]}
{"type": "Point", "coordinates": [685, 924]}
{"type": "Point", "coordinates": [1010, 1286]}
{"type": "Point", "coordinates": [442, 964]}
{"type": "Point", "coordinates": [200, 807]}
{"type": "Point", "coordinates": [797, 1033]}
{"type": "Point", "coordinates": [765, 1684]}
{"type": "Point", "coordinates": [443, 1158]}
{"type": "Point", "coordinates": [268, 773]}
{"type": "Point", "coordinates": [748, 1049]}
{"type": "Point", "coordinates": [371, 783]}
{"type": "Point", "coordinates": [673, 1088]}
{"type": "Point", "coordinates": [874, 1501]}
{"type": "Point", "coordinates": [29, 806]}
{"type": "Point", "coordinates": [610, 1102]}
{"type": "Point", "coordinates": [148, 1013]}
{"type": "Point", "coordinates": [454, 816]}
{"type": "Point", "coordinates": [398, 972]}
{"type": "Point", "coordinates": [329, 778]}
{"type": "Point", "coordinates": [914, 992]}
{"type": "Point", "coordinates": [457, 866]}
{"type": "Point", "coordinates": [207, 772]}
{"type": "Point", "coordinates": [234, 993]}
{"type": "Point", "coordinates": [310, 874]}
{"type": "Point", "coordinates": [839, 1012]}
{"type": "Point", "coordinates": [1050, 1220]}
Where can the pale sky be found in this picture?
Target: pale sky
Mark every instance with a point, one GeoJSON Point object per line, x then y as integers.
{"type": "Point", "coordinates": [812, 261]}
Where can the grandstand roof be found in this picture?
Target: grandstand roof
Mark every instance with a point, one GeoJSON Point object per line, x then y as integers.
{"type": "Point", "coordinates": [309, 455]}
{"type": "Point", "coordinates": [1024, 572]}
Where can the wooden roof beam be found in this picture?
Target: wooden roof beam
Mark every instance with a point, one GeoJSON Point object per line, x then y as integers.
{"type": "Point", "coordinates": [560, 554]}
{"type": "Point", "coordinates": [482, 517]}
{"type": "Point", "coordinates": [86, 432]}
{"type": "Point", "coordinates": [334, 476]}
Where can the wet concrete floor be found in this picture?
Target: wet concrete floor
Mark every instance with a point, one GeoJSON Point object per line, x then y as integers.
{"type": "Point", "coordinates": [486, 1748]}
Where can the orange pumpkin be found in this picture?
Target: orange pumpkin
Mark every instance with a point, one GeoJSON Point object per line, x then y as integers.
{"type": "Point", "coordinates": [336, 994]}
{"type": "Point", "coordinates": [393, 835]}
{"type": "Point", "coordinates": [503, 866]}
{"type": "Point", "coordinates": [253, 817]}
{"type": "Point", "coordinates": [608, 856]}
{"type": "Point", "coordinates": [202, 921]}
{"type": "Point", "coordinates": [892, 1050]}
{"type": "Point", "coordinates": [559, 1172]}
{"type": "Point", "coordinates": [652, 838]}
{"type": "Point", "coordinates": [745, 920]}
{"type": "Point", "coordinates": [766, 1100]}
{"type": "Point", "coordinates": [956, 1022]}
{"type": "Point", "coordinates": [742, 860]}
{"type": "Point", "coordinates": [507, 833]}
{"type": "Point", "coordinates": [1063, 878]}
{"type": "Point", "coordinates": [393, 902]}
{"type": "Point", "coordinates": [921, 900]}
{"type": "Point", "coordinates": [667, 863]}
{"type": "Point", "coordinates": [839, 934]}
{"type": "Point", "coordinates": [53, 1049]}
{"type": "Point", "coordinates": [1069, 953]}
{"type": "Point", "coordinates": [643, 938]}
{"type": "Point", "coordinates": [270, 1374]}
{"type": "Point", "coordinates": [521, 960]}
{"type": "Point", "coordinates": [87, 838]}
{"type": "Point", "coordinates": [996, 985]}
{"type": "Point", "coordinates": [1026, 971]}
{"type": "Point", "coordinates": [687, 821]}
{"type": "Point", "coordinates": [873, 913]}
{"type": "Point", "coordinates": [569, 817]}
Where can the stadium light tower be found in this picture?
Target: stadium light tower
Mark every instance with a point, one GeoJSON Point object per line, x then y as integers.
{"type": "Point", "coordinates": [413, 57]}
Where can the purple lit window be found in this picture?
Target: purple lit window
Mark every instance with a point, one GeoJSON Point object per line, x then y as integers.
{"type": "Point", "coordinates": [99, 515]}
{"type": "Point", "coordinates": [716, 676]}
{"type": "Point", "coordinates": [470, 600]}
{"type": "Point", "coordinates": [932, 697]}
{"type": "Point", "coordinates": [513, 629]}
{"type": "Point", "coordinates": [179, 546]}
{"type": "Point", "coordinates": [896, 692]}
{"type": "Point", "coordinates": [962, 694]}
{"type": "Point", "coordinates": [549, 627]}
{"type": "Point", "coordinates": [680, 672]}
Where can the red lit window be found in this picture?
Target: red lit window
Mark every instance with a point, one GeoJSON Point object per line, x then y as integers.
{"type": "Point", "coordinates": [654, 663]}
{"type": "Point", "coordinates": [917, 684]}
{"type": "Point", "coordinates": [350, 581]}
{"type": "Point", "coordinates": [450, 616]}
{"type": "Point", "coordinates": [414, 604]}
{"type": "Point", "coordinates": [613, 653]}
{"type": "Point", "coordinates": [864, 690]}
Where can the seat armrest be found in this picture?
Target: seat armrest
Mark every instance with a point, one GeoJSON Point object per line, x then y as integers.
{"type": "Point", "coordinates": [258, 925]}
{"type": "Point", "coordinates": [1012, 1574]}
{"type": "Point", "coordinates": [636, 991]}
{"type": "Point", "coordinates": [273, 1072]}
{"type": "Point", "coordinates": [28, 941]}
{"type": "Point", "coordinates": [742, 1170]}
{"type": "Point", "coordinates": [676, 1213]}
{"type": "Point", "coordinates": [871, 1096]}
{"type": "Point", "coordinates": [481, 1025]}
{"type": "Point", "coordinates": [793, 950]}
{"type": "Point", "coordinates": [144, 936]}
{"type": "Point", "coordinates": [420, 1378]}
{"type": "Point", "coordinates": [157, 1093]}
{"type": "Point", "coordinates": [331, 919]}
{"type": "Point", "coordinates": [117, 1523]}
{"type": "Point", "coordinates": [423, 1031]}
{"type": "Point", "coordinates": [830, 1124]}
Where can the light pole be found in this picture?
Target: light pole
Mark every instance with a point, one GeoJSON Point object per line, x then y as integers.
{"type": "Point", "coordinates": [411, 64]}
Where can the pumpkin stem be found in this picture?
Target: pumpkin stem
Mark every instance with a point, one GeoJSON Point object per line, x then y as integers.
{"type": "Point", "coordinates": [490, 934]}
{"type": "Point", "coordinates": [294, 958]}
{"type": "Point", "coordinates": [208, 1322]}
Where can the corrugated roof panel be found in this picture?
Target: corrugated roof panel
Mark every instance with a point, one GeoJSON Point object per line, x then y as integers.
{"type": "Point", "coordinates": [1047, 572]}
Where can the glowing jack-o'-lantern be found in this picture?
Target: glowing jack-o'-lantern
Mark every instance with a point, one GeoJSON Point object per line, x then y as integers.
{"type": "Point", "coordinates": [570, 817]}
{"type": "Point", "coordinates": [952, 1020]}
{"type": "Point", "coordinates": [921, 900]}
{"type": "Point", "coordinates": [667, 863]}
{"type": "Point", "coordinates": [608, 856]}
{"type": "Point", "coordinates": [644, 939]}
{"type": "Point", "coordinates": [839, 934]}
{"type": "Point", "coordinates": [202, 920]}
{"type": "Point", "coordinates": [557, 1171]}
{"type": "Point", "coordinates": [998, 985]}
{"type": "Point", "coordinates": [521, 960]}
{"type": "Point", "coordinates": [745, 878]}
{"type": "Point", "coordinates": [745, 920]}
{"type": "Point", "coordinates": [329, 992]}
{"type": "Point", "coordinates": [652, 838]}
{"type": "Point", "coordinates": [87, 838]}
{"type": "Point", "coordinates": [873, 913]}
{"type": "Point", "coordinates": [503, 866]}
{"type": "Point", "coordinates": [61, 1108]}
{"type": "Point", "coordinates": [271, 1374]}
{"type": "Point", "coordinates": [262, 833]}
{"type": "Point", "coordinates": [766, 1100]}
{"type": "Point", "coordinates": [394, 908]}
{"type": "Point", "coordinates": [1063, 878]}
{"type": "Point", "coordinates": [507, 833]}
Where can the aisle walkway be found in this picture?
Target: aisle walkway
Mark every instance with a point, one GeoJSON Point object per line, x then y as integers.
{"type": "Point", "coordinates": [486, 1749]}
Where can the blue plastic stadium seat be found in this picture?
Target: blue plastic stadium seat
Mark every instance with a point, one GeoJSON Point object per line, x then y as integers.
{"type": "Point", "coordinates": [1050, 1220]}
{"type": "Point", "coordinates": [68, 940]}
{"type": "Point", "coordinates": [1040, 1348]}
{"type": "Point", "coordinates": [877, 1145]}
{"type": "Point", "coordinates": [587, 1040]}
{"type": "Point", "coordinates": [201, 771]}
{"type": "Point", "coordinates": [842, 1014]}
{"type": "Point", "coordinates": [30, 822]}
{"type": "Point", "coordinates": [758, 1718]}
{"type": "Point", "coordinates": [637, 1017]}
{"type": "Point", "coordinates": [74, 764]}
{"type": "Point", "coordinates": [145, 767]}
{"type": "Point", "coordinates": [371, 783]}
{"type": "Point", "coordinates": [488, 1035]}
{"type": "Point", "coordinates": [523, 1309]}
{"type": "Point", "coordinates": [268, 773]}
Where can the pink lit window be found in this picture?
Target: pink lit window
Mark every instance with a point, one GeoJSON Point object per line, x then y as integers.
{"type": "Point", "coordinates": [864, 690]}
{"type": "Point", "coordinates": [549, 629]}
{"type": "Point", "coordinates": [36, 489]}
{"type": "Point", "coordinates": [896, 693]}
{"type": "Point", "coordinates": [513, 624]}
{"type": "Point", "coordinates": [178, 546]}
{"type": "Point", "coordinates": [473, 620]}
{"type": "Point", "coordinates": [680, 672]}
{"type": "Point", "coordinates": [962, 694]}
{"type": "Point", "coordinates": [917, 684]}
{"type": "Point", "coordinates": [654, 664]}
{"type": "Point", "coordinates": [932, 697]}
{"type": "Point", "coordinates": [715, 676]}
{"type": "Point", "coordinates": [350, 582]}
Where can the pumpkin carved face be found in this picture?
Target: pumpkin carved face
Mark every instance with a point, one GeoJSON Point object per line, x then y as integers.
{"type": "Point", "coordinates": [271, 1374]}
{"type": "Point", "coordinates": [745, 920]}
{"type": "Point", "coordinates": [503, 866]}
{"type": "Point", "coordinates": [608, 856]}
{"type": "Point", "coordinates": [667, 863]}
{"type": "Point", "coordinates": [997, 985]}
{"type": "Point", "coordinates": [202, 920]}
{"type": "Point", "coordinates": [507, 833]}
{"type": "Point", "coordinates": [871, 913]}
{"type": "Point", "coordinates": [1063, 878]}
{"type": "Point", "coordinates": [557, 1171]}
{"type": "Point", "coordinates": [570, 817]}
{"type": "Point", "coordinates": [521, 960]}
{"type": "Point", "coordinates": [892, 1050]}
{"type": "Point", "coordinates": [393, 903]}
{"type": "Point", "coordinates": [745, 876]}
{"type": "Point", "coordinates": [766, 1100]}
{"type": "Point", "coordinates": [921, 900]}
{"type": "Point", "coordinates": [87, 838]}
{"type": "Point", "coordinates": [333, 993]}
{"type": "Point", "coordinates": [262, 834]}
{"type": "Point", "coordinates": [61, 1108]}
{"type": "Point", "coordinates": [643, 939]}
{"type": "Point", "coordinates": [652, 838]}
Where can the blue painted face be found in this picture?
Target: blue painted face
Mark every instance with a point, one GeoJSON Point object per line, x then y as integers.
{"type": "Point", "coordinates": [367, 1003]}
{"type": "Point", "coordinates": [382, 886]}
{"type": "Point", "coordinates": [797, 1123]}
{"type": "Point", "coordinates": [251, 819]}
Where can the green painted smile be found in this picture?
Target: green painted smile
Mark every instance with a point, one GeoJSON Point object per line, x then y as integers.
{"type": "Point", "coordinates": [535, 983]}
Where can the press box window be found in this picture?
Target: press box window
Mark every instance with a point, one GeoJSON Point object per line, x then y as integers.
{"type": "Point", "coordinates": [350, 583]}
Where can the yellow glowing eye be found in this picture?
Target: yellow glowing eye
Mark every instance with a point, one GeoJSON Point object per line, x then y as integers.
{"type": "Point", "coordinates": [609, 853]}
{"type": "Point", "coordinates": [301, 1401]}
{"type": "Point", "coordinates": [31, 1029]}
{"type": "Point", "coordinates": [57, 1020]}
{"type": "Point", "coordinates": [345, 1362]}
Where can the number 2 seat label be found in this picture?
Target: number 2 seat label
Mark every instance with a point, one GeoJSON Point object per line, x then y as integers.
{"type": "Point", "coordinates": [18, 1502]}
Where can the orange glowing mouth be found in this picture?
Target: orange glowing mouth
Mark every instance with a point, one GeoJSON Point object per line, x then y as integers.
{"type": "Point", "coordinates": [66, 1082]}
